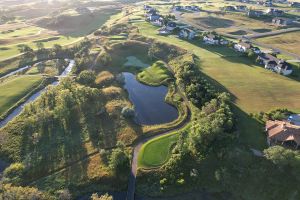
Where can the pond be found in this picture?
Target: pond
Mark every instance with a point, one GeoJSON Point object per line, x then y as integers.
{"type": "Point", "coordinates": [149, 102]}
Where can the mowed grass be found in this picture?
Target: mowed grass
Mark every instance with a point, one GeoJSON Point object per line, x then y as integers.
{"type": "Point", "coordinates": [157, 151]}
{"type": "Point", "coordinates": [288, 41]}
{"type": "Point", "coordinates": [13, 50]}
{"type": "Point", "coordinates": [253, 88]}
{"type": "Point", "coordinates": [154, 75]}
{"type": "Point", "coordinates": [15, 88]}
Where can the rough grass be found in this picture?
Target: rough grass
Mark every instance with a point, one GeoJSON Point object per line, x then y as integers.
{"type": "Point", "coordinates": [15, 88]}
{"type": "Point", "coordinates": [154, 75]}
{"type": "Point", "coordinates": [133, 61]}
{"type": "Point", "coordinates": [104, 77]}
{"type": "Point", "coordinates": [288, 41]}
{"type": "Point", "coordinates": [156, 152]}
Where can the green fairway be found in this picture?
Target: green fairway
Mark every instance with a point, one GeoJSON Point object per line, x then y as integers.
{"type": "Point", "coordinates": [15, 88]}
{"type": "Point", "coordinates": [154, 75]}
{"type": "Point", "coordinates": [12, 50]}
{"type": "Point", "coordinates": [155, 152]}
{"type": "Point", "coordinates": [254, 88]}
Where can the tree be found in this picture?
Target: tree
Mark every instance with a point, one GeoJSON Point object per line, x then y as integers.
{"type": "Point", "coordinates": [87, 78]}
{"type": "Point", "coordinates": [13, 173]}
{"type": "Point", "coordinates": [40, 45]}
{"type": "Point", "coordinates": [119, 161]}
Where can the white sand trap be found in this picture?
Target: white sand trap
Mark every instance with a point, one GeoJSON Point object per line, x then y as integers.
{"type": "Point", "coordinates": [133, 61]}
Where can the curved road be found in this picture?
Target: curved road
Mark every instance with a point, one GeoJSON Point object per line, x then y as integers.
{"type": "Point", "coordinates": [137, 147]}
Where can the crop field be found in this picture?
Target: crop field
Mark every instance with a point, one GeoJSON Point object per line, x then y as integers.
{"type": "Point", "coordinates": [288, 41]}
{"type": "Point", "coordinates": [15, 88]}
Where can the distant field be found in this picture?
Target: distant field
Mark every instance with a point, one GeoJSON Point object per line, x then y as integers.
{"type": "Point", "coordinates": [15, 88]}
{"type": "Point", "coordinates": [288, 41]}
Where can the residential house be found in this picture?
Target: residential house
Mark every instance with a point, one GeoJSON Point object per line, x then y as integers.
{"type": "Point", "coordinates": [229, 8]}
{"type": "Point", "coordinates": [187, 33]}
{"type": "Point", "coordinates": [255, 13]}
{"type": "Point", "coordinates": [214, 40]}
{"type": "Point", "coordinates": [146, 7]}
{"type": "Point", "coordinates": [195, 8]}
{"type": "Point", "coordinates": [268, 3]}
{"type": "Point", "coordinates": [294, 119]}
{"type": "Point", "coordinates": [282, 21]}
{"type": "Point", "coordinates": [295, 4]}
{"type": "Point", "coordinates": [241, 8]}
{"type": "Point", "coordinates": [178, 8]}
{"type": "Point", "coordinates": [171, 26]}
{"type": "Point", "coordinates": [274, 12]}
{"type": "Point", "coordinates": [158, 22]}
{"type": "Point", "coordinates": [282, 132]}
{"type": "Point", "coordinates": [242, 46]}
{"type": "Point", "coordinates": [274, 64]}
{"type": "Point", "coordinates": [153, 17]}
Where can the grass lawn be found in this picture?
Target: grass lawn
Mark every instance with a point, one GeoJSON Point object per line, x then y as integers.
{"type": "Point", "coordinates": [12, 50]}
{"type": "Point", "coordinates": [155, 152]}
{"type": "Point", "coordinates": [288, 41]}
{"type": "Point", "coordinates": [154, 75]}
{"type": "Point", "coordinates": [15, 88]}
{"type": "Point", "coordinates": [253, 88]}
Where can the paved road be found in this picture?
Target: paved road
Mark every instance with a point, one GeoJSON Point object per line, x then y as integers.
{"type": "Point", "coordinates": [137, 147]}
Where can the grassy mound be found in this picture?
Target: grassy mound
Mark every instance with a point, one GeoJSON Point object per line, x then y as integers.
{"type": "Point", "coordinates": [155, 75]}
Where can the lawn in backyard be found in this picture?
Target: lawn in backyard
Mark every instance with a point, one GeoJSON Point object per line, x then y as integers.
{"type": "Point", "coordinates": [15, 88]}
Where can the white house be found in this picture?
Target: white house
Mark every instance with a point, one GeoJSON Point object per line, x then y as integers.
{"type": "Point", "coordinates": [274, 64]}
{"type": "Point", "coordinates": [187, 33]}
{"type": "Point", "coordinates": [242, 46]}
{"type": "Point", "coordinates": [211, 39]}
{"type": "Point", "coordinates": [159, 22]}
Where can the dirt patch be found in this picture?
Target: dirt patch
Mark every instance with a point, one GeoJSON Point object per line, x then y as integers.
{"type": "Point", "coordinates": [239, 32]}
{"type": "Point", "coordinates": [214, 22]}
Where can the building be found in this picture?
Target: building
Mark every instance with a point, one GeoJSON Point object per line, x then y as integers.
{"type": "Point", "coordinates": [241, 8]}
{"type": "Point", "coordinates": [178, 8]}
{"type": "Point", "coordinates": [268, 3]}
{"type": "Point", "coordinates": [283, 132]}
{"type": "Point", "coordinates": [171, 26]}
{"type": "Point", "coordinates": [274, 12]}
{"type": "Point", "coordinates": [147, 8]}
{"type": "Point", "coordinates": [229, 8]}
{"type": "Point", "coordinates": [214, 40]}
{"type": "Point", "coordinates": [282, 21]}
{"type": "Point", "coordinates": [274, 64]}
{"type": "Point", "coordinates": [255, 13]}
{"type": "Point", "coordinates": [295, 4]}
{"type": "Point", "coordinates": [242, 46]}
{"type": "Point", "coordinates": [187, 33]}
{"type": "Point", "coordinates": [158, 22]}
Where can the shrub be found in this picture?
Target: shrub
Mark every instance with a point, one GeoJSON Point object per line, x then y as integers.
{"type": "Point", "coordinates": [86, 78]}
{"type": "Point", "coordinates": [14, 173]}
{"type": "Point", "coordinates": [128, 112]}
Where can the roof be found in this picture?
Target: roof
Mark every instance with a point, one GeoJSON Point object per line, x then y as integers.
{"type": "Point", "coordinates": [212, 36]}
{"type": "Point", "coordinates": [268, 57]}
{"type": "Point", "coordinates": [171, 24]}
{"type": "Point", "coordinates": [283, 131]}
{"type": "Point", "coordinates": [244, 44]}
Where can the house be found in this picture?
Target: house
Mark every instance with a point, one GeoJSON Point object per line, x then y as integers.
{"type": "Point", "coordinates": [274, 12]}
{"type": "Point", "coordinates": [242, 46]}
{"type": "Point", "coordinates": [178, 8]}
{"type": "Point", "coordinates": [158, 22]}
{"type": "Point", "coordinates": [268, 3]}
{"type": "Point", "coordinates": [256, 50]}
{"type": "Point", "coordinates": [171, 26]}
{"type": "Point", "coordinates": [274, 64]}
{"type": "Point", "coordinates": [188, 8]}
{"type": "Point", "coordinates": [295, 4]}
{"type": "Point", "coordinates": [195, 8]}
{"type": "Point", "coordinates": [187, 33]}
{"type": "Point", "coordinates": [255, 13]}
{"type": "Point", "coordinates": [241, 8]}
{"type": "Point", "coordinates": [163, 31]}
{"type": "Point", "coordinates": [229, 8]}
{"type": "Point", "coordinates": [214, 40]}
{"type": "Point", "coordinates": [282, 132]}
{"type": "Point", "coordinates": [146, 7]}
{"type": "Point", "coordinates": [281, 21]}
{"type": "Point", "coordinates": [153, 17]}
{"type": "Point", "coordinates": [294, 119]}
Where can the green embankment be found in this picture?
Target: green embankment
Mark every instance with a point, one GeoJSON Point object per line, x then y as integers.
{"type": "Point", "coordinates": [155, 75]}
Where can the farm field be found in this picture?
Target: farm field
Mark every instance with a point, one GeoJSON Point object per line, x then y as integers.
{"type": "Point", "coordinates": [15, 88]}
{"type": "Point", "coordinates": [288, 41]}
